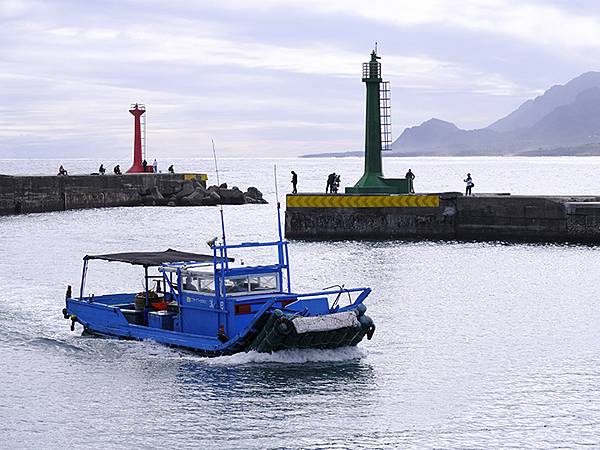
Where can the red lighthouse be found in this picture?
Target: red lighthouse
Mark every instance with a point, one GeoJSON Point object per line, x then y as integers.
{"type": "Point", "coordinates": [137, 111]}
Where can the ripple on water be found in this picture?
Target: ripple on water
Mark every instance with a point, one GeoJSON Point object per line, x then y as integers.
{"type": "Point", "coordinates": [477, 345]}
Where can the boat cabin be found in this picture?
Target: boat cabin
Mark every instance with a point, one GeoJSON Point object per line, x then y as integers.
{"type": "Point", "coordinates": [207, 295]}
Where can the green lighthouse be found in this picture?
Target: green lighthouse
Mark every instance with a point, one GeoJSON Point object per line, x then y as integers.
{"type": "Point", "coordinates": [373, 181]}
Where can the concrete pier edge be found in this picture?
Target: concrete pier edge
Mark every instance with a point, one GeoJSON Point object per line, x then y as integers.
{"type": "Point", "coordinates": [486, 217]}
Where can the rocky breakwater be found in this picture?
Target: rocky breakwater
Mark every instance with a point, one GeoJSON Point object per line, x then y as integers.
{"type": "Point", "coordinates": [34, 194]}
{"type": "Point", "coordinates": [194, 193]}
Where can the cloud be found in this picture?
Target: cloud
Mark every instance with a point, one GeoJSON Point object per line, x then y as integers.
{"type": "Point", "coordinates": [203, 50]}
{"type": "Point", "coordinates": [10, 9]}
{"type": "Point", "coordinates": [70, 69]}
{"type": "Point", "coordinates": [540, 23]}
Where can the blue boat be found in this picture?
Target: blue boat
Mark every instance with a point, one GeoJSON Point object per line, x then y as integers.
{"type": "Point", "coordinates": [215, 306]}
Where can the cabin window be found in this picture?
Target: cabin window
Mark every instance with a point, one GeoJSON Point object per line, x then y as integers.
{"type": "Point", "coordinates": [236, 285]}
{"type": "Point", "coordinates": [264, 283]}
{"type": "Point", "coordinates": [190, 283]}
{"type": "Point", "coordinates": [252, 284]}
{"type": "Point", "coordinates": [198, 282]}
{"type": "Point", "coordinates": [207, 285]}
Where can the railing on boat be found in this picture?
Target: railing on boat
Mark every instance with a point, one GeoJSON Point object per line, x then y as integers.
{"type": "Point", "coordinates": [221, 260]}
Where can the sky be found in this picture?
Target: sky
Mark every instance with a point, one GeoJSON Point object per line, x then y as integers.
{"type": "Point", "coordinates": [270, 78]}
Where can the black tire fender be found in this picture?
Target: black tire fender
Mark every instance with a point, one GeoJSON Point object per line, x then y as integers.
{"type": "Point", "coordinates": [283, 326]}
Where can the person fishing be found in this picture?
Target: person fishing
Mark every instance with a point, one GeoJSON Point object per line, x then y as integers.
{"type": "Point", "coordinates": [294, 182]}
{"type": "Point", "coordinates": [470, 184]}
{"type": "Point", "coordinates": [117, 170]}
{"type": "Point", "coordinates": [336, 184]}
{"type": "Point", "coordinates": [171, 169]}
{"type": "Point", "coordinates": [330, 181]}
{"type": "Point", "coordinates": [101, 169]}
{"type": "Point", "coordinates": [62, 171]}
{"type": "Point", "coordinates": [410, 176]}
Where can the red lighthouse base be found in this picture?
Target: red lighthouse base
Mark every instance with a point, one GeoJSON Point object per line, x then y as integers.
{"type": "Point", "coordinates": [137, 168]}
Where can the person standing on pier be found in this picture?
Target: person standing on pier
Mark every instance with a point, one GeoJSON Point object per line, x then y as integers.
{"type": "Point", "coordinates": [330, 181]}
{"type": "Point", "coordinates": [294, 182]}
{"type": "Point", "coordinates": [335, 184]}
{"type": "Point", "coordinates": [145, 165]}
{"type": "Point", "coordinates": [410, 176]}
{"type": "Point", "coordinates": [155, 166]}
{"type": "Point", "coordinates": [470, 184]}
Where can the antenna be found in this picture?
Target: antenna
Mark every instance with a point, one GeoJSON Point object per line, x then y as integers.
{"type": "Point", "coordinates": [375, 47]}
{"type": "Point", "coordinates": [215, 158]}
{"type": "Point", "coordinates": [220, 204]}
{"type": "Point", "coordinates": [276, 188]}
{"type": "Point", "coordinates": [278, 204]}
{"type": "Point", "coordinates": [280, 254]}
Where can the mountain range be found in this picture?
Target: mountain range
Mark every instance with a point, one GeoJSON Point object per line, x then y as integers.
{"type": "Point", "coordinates": [565, 120]}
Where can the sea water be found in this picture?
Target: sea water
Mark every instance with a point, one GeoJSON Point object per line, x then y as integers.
{"type": "Point", "coordinates": [477, 344]}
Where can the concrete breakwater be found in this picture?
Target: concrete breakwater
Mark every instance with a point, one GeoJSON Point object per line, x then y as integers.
{"type": "Point", "coordinates": [28, 194]}
{"type": "Point", "coordinates": [444, 216]}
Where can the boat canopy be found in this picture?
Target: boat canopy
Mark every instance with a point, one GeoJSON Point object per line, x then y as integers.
{"type": "Point", "coordinates": [151, 259]}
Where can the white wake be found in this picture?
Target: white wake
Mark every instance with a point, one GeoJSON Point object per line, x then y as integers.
{"type": "Point", "coordinates": [295, 356]}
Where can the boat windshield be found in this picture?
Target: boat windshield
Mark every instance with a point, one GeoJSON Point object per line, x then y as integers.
{"type": "Point", "coordinates": [252, 284]}
{"type": "Point", "coordinates": [204, 283]}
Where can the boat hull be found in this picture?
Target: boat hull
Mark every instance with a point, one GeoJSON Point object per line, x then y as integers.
{"type": "Point", "coordinates": [273, 331]}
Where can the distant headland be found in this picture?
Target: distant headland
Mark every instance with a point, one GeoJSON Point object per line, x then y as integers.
{"type": "Point", "coordinates": [564, 121]}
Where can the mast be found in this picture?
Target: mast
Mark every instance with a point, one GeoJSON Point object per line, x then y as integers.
{"type": "Point", "coordinates": [278, 204]}
{"type": "Point", "coordinates": [220, 206]}
{"type": "Point", "coordinates": [280, 244]}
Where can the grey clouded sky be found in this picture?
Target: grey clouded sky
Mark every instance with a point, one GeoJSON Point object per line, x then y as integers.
{"type": "Point", "coordinates": [270, 77]}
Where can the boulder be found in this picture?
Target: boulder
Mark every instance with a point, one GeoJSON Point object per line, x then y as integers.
{"type": "Point", "coordinates": [171, 187]}
{"type": "Point", "coordinates": [232, 197]}
{"type": "Point", "coordinates": [212, 199]}
{"type": "Point", "coordinates": [154, 197]}
{"type": "Point", "coordinates": [253, 195]}
{"type": "Point", "coordinates": [194, 193]}
{"type": "Point", "coordinates": [196, 198]}
{"type": "Point", "coordinates": [250, 200]}
{"type": "Point", "coordinates": [187, 188]}
{"type": "Point", "coordinates": [199, 188]}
